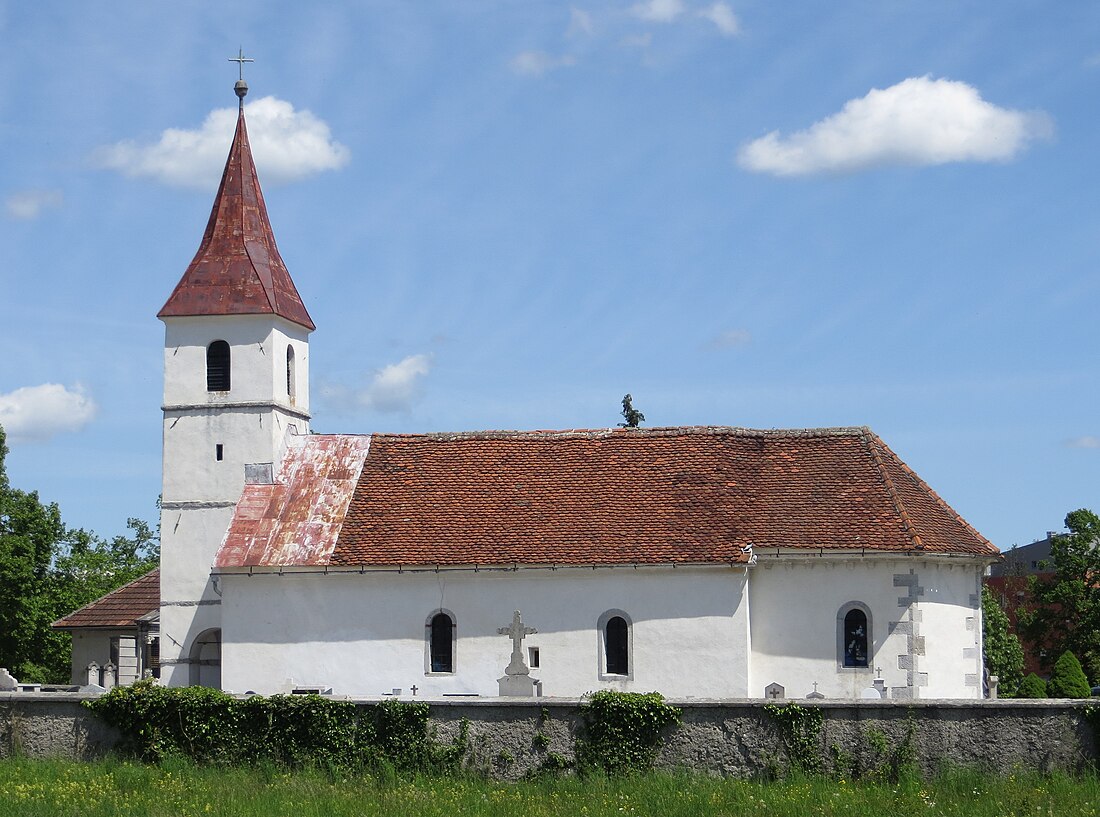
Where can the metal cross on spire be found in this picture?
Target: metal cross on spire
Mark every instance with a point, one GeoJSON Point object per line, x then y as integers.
{"type": "Point", "coordinates": [240, 88]}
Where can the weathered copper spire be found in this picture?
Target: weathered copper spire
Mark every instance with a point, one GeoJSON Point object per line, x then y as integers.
{"type": "Point", "coordinates": [238, 270]}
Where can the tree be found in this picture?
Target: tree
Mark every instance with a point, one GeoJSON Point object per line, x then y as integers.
{"type": "Point", "coordinates": [1064, 611]}
{"type": "Point", "coordinates": [48, 570]}
{"type": "Point", "coordinates": [1068, 679]}
{"type": "Point", "coordinates": [1032, 687]}
{"type": "Point", "coordinates": [29, 532]}
{"type": "Point", "coordinates": [633, 417]}
{"type": "Point", "coordinates": [1001, 649]}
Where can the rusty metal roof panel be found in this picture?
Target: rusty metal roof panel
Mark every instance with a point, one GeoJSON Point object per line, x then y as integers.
{"type": "Point", "coordinates": [237, 269]}
{"type": "Point", "coordinates": [297, 520]}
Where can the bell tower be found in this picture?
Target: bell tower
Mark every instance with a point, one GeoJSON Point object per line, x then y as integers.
{"type": "Point", "coordinates": [236, 383]}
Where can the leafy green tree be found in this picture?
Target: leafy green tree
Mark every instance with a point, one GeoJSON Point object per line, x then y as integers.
{"type": "Point", "coordinates": [1001, 649]}
{"type": "Point", "coordinates": [29, 532]}
{"type": "Point", "coordinates": [633, 417]}
{"type": "Point", "coordinates": [1064, 610]}
{"type": "Point", "coordinates": [1068, 679]}
{"type": "Point", "coordinates": [1032, 687]}
{"type": "Point", "coordinates": [48, 570]}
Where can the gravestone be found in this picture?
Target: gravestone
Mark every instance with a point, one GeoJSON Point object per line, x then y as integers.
{"type": "Point", "coordinates": [7, 681]}
{"type": "Point", "coordinates": [774, 692]}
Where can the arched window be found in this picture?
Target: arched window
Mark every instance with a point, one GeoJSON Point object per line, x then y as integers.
{"type": "Point", "coordinates": [217, 366]}
{"type": "Point", "coordinates": [615, 644]}
{"type": "Point", "coordinates": [441, 642]}
{"type": "Point", "coordinates": [854, 635]}
{"type": "Point", "coordinates": [290, 372]}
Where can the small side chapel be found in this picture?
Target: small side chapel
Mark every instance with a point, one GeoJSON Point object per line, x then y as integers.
{"type": "Point", "coordinates": [701, 562]}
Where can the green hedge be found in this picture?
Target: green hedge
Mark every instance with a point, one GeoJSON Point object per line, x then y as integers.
{"type": "Point", "coordinates": [209, 726]}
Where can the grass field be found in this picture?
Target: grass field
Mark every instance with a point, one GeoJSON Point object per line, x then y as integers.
{"type": "Point", "coordinates": [53, 788]}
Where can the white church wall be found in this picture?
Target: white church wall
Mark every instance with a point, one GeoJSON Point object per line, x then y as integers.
{"type": "Point", "coordinates": [795, 604]}
{"type": "Point", "coordinates": [951, 626]}
{"type": "Point", "coordinates": [366, 634]}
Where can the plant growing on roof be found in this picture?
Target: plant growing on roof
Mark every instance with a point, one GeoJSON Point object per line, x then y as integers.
{"type": "Point", "coordinates": [633, 417]}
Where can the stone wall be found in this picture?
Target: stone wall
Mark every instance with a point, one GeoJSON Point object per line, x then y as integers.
{"type": "Point", "coordinates": [731, 738]}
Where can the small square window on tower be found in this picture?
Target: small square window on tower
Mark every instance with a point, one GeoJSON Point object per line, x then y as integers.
{"type": "Point", "coordinates": [218, 452]}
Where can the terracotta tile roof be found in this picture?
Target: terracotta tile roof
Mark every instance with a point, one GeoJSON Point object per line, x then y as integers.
{"type": "Point", "coordinates": [119, 608]}
{"type": "Point", "coordinates": [297, 519]}
{"type": "Point", "coordinates": [238, 269]}
{"type": "Point", "coordinates": [646, 496]}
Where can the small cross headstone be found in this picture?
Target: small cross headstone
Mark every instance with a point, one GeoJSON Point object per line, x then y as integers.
{"type": "Point", "coordinates": [774, 692]}
{"type": "Point", "coordinates": [815, 695]}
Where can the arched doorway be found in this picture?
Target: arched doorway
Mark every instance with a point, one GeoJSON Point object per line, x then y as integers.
{"type": "Point", "coordinates": [206, 660]}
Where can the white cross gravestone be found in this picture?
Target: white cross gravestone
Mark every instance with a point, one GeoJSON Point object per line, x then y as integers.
{"type": "Point", "coordinates": [517, 681]}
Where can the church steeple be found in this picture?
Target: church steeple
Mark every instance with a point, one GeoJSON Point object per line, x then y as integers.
{"type": "Point", "coordinates": [238, 269]}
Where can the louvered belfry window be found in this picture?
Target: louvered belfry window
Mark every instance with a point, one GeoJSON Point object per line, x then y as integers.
{"type": "Point", "coordinates": [217, 366]}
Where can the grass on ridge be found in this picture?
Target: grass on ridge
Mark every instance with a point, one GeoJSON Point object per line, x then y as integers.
{"type": "Point", "coordinates": [35, 788]}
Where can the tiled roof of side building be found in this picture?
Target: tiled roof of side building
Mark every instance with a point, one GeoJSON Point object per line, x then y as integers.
{"type": "Point", "coordinates": [615, 496]}
{"type": "Point", "coordinates": [119, 608]}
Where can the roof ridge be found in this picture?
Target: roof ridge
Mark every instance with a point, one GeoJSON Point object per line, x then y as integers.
{"type": "Point", "coordinates": [892, 490]}
{"type": "Point", "coordinates": [657, 431]}
{"type": "Point", "coordinates": [932, 492]}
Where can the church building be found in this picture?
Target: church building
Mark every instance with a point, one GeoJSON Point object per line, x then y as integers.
{"type": "Point", "coordinates": [705, 562]}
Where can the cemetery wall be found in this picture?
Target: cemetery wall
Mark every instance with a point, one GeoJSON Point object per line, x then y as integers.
{"type": "Point", "coordinates": [731, 738]}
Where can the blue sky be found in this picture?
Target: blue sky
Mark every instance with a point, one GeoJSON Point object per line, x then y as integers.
{"type": "Point", "coordinates": [507, 215]}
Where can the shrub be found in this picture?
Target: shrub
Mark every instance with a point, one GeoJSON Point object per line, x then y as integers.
{"type": "Point", "coordinates": [622, 731]}
{"type": "Point", "coordinates": [1068, 679]}
{"type": "Point", "coordinates": [209, 726]}
{"type": "Point", "coordinates": [1032, 687]}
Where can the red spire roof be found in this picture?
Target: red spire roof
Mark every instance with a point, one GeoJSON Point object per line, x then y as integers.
{"type": "Point", "coordinates": [238, 270]}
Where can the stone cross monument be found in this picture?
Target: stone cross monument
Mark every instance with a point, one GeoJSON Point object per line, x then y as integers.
{"type": "Point", "coordinates": [517, 681]}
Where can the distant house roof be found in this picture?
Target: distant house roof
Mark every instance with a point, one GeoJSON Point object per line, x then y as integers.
{"type": "Point", "coordinates": [119, 608]}
{"type": "Point", "coordinates": [599, 497]}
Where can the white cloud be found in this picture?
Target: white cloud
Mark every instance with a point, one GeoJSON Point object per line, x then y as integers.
{"type": "Point", "coordinates": [40, 412]}
{"type": "Point", "coordinates": [29, 204]}
{"type": "Point", "coordinates": [658, 11]}
{"type": "Point", "coordinates": [729, 339]}
{"type": "Point", "coordinates": [395, 387]}
{"type": "Point", "coordinates": [919, 121]}
{"type": "Point", "coordinates": [286, 144]}
{"type": "Point", "coordinates": [580, 22]}
{"type": "Point", "coordinates": [1088, 441]}
{"type": "Point", "coordinates": [537, 63]}
{"type": "Point", "coordinates": [722, 16]}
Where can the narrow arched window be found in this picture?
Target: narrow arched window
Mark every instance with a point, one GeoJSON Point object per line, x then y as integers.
{"type": "Point", "coordinates": [290, 373]}
{"type": "Point", "coordinates": [442, 643]}
{"type": "Point", "coordinates": [217, 366]}
{"type": "Point", "coordinates": [616, 647]}
{"type": "Point", "coordinates": [855, 638]}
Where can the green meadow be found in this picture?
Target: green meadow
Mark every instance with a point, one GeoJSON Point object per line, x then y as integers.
{"type": "Point", "coordinates": [35, 788]}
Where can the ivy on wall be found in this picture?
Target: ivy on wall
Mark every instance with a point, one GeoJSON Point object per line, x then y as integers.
{"type": "Point", "coordinates": [208, 726]}
{"type": "Point", "coordinates": [622, 731]}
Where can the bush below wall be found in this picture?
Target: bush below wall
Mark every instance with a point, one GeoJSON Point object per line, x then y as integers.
{"type": "Point", "coordinates": [512, 739]}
